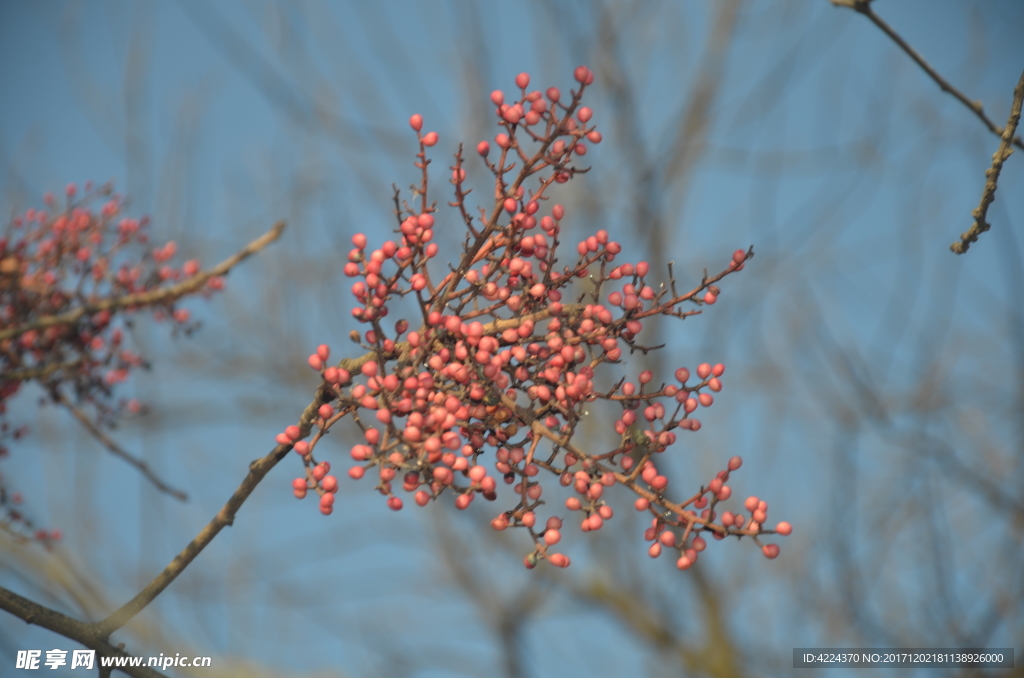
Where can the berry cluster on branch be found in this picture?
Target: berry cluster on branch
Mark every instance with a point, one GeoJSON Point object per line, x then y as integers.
{"type": "Point", "coordinates": [505, 364]}
{"type": "Point", "coordinates": [72, 277]}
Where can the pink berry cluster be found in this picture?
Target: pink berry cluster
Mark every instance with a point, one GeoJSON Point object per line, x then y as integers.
{"type": "Point", "coordinates": [63, 271]}
{"type": "Point", "coordinates": [508, 354]}
{"type": "Point", "coordinates": [686, 538]}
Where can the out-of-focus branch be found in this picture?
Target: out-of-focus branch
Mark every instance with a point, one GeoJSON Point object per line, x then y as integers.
{"type": "Point", "coordinates": [152, 297]}
{"type": "Point", "coordinates": [80, 632]}
{"type": "Point", "coordinates": [116, 449]}
{"type": "Point", "coordinates": [864, 7]}
{"type": "Point", "coordinates": [41, 373]}
{"type": "Point", "coordinates": [980, 225]}
{"type": "Point", "coordinates": [717, 657]}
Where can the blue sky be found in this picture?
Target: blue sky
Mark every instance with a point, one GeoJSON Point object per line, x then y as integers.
{"type": "Point", "coordinates": [827, 149]}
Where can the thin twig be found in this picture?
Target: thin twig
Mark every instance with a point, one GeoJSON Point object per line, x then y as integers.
{"type": "Point", "coordinates": [116, 449]}
{"type": "Point", "coordinates": [864, 7]}
{"type": "Point", "coordinates": [80, 632]}
{"type": "Point", "coordinates": [992, 174]}
{"type": "Point", "coordinates": [152, 297]}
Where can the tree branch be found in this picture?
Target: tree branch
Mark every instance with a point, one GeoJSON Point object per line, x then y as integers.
{"type": "Point", "coordinates": [116, 449]}
{"type": "Point", "coordinates": [80, 632]}
{"type": "Point", "coordinates": [152, 297]}
{"type": "Point", "coordinates": [992, 174]}
{"type": "Point", "coordinates": [225, 517]}
{"type": "Point", "coordinates": [864, 7]}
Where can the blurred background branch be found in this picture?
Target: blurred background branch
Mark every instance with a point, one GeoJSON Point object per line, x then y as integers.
{"type": "Point", "coordinates": [875, 384]}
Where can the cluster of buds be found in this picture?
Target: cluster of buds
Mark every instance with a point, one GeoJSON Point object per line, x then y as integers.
{"type": "Point", "coordinates": [505, 365]}
{"type": "Point", "coordinates": [71, 274]}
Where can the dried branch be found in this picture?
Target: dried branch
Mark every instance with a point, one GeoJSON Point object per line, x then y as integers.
{"type": "Point", "coordinates": [992, 174]}
{"type": "Point", "coordinates": [864, 7]}
{"type": "Point", "coordinates": [152, 297]}
{"type": "Point", "coordinates": [116, 449]}
{"type": "Point", "coordinates": [80, 632]}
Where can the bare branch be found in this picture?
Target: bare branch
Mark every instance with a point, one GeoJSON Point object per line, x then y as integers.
{"type": "Point", "coordinates": [116, 449]}
{"type": "Point", "coordinates": [80, 632]}
{"type": "Point", "coordinates": [225, 517]}
{"type": "Point", "coordinates": [992, 174]}
{"type": "Point", "coordinates": [864, 7]}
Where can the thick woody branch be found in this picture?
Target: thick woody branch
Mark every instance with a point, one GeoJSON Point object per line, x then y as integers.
{"type": "Point", "coordinates": [80, 632]}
